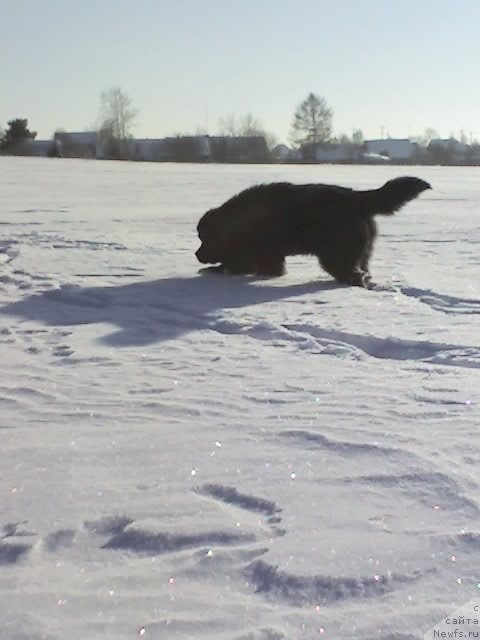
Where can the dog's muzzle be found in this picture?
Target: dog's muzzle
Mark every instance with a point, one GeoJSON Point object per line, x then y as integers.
{"type": "Point", "coordinates": [204, 257]}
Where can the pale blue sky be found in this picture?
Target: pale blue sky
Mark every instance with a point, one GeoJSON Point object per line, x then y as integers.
{"type": "Point", "coordinates": [399, 64]}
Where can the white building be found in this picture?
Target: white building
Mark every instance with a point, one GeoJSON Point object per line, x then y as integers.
{"type": "Point", "coordinates": [450, 144]}
{"type": "Point", "coordinates": [41, 148]}
{"type": "Point", "coordinates": [79, 144]}
{"type": "Point", "coordinates": [147, 149]}
{"type": "Point", "coordinates": [400, 149]}
{"type": "Point", "coordinates": [331, 152]}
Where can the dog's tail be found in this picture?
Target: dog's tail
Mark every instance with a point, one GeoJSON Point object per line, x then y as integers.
{"type": "Point", "coordinates": [391, 197]}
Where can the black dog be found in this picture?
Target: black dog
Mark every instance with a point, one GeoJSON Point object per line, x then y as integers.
{"type": "Point", "coordinates": [253, 232]}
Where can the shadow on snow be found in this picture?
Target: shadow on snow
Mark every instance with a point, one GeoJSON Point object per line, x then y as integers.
{"type": "Point", "coordinates": [158, 310]}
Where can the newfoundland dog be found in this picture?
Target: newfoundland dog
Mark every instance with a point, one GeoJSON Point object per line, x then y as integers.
{"type": "Point", "coordinates": [253, 232]}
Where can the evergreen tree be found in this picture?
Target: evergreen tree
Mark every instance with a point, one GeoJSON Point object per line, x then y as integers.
{"type": "Point", "coordinates": [312, 121]}
{"type": "Point", "coordinates": [16, 133]}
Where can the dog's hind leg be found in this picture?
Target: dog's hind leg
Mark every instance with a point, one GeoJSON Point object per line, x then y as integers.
{"type": "Point", "coordinates": [354, 276]}
{"type": "Point", "coordinates": [346, 255]}
{"type": "Point", "coordinates": [370, 228]}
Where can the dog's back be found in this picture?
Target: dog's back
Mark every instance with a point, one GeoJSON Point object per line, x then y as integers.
{"type": "Point", "coordinates": [297, 218]}
{"type": "Point", "coordinates": [253, 206]}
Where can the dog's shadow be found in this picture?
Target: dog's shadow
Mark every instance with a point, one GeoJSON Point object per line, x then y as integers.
{"type": "Point", "coordinates": [154, 311]}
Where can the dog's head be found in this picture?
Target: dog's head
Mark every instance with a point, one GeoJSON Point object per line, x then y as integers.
{"type": "Point", "coordinates": [206, 225]}
{"type": "Point", "coordinates": [209, 250]}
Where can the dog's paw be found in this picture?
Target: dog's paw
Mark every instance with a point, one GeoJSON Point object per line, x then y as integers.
{"type": "Point", "coordinates": [215, 269]}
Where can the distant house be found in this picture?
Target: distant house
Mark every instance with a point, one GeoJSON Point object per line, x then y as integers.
{"type": "Point", "coordinates": [281, 153]}
{"type": "Point", "coordinates": [80, 144]}
{"type": "Point", "coordinates": [201, 148]}
{"type": "Point", "coordinates": [147, 149]}
{"type": "Point", "coordinates": [239, 149]}
{"type": "Point", "coordinates": [472, 155]}
{"type": "Point", "coordinates": [450, 143]}
{"type": "Point", "coordinates": [188, 149]}
{"type": "Point", "coordinates": [39, 148]}
{"type": "Point", "coordinates": [448, 151]}
{"type": "Point", "coordinates": [343, 152]}
{"type": "Point", "coordinates": [397, 149]}
{"type": "Point", "coordinates": [172, 149]}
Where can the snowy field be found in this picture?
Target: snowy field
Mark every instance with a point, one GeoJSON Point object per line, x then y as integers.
{"type": "Point", "coordinates": [193, 456]}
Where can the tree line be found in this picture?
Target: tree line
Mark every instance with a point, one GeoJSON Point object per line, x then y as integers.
{"type": "Point", "coordinates": [312, 123]}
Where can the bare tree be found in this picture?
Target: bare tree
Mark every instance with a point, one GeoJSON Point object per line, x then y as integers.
{"type": "Point", "coordinates": [312, 121]}
{"type": "Point", "coordinates": [227, 125]}
{"type": "Point", "coordinates": [357, 136]}
{"type": "Point", "coordinates": [244, 126]}
{"type": "Point", "coordinates": [342, 138]}
{"type": "Point", "coordinates": [250, 126]}
{"type": "Point", "coordinates": [117, 113]}
{"type": "Point", "coordinates": [425, 139]}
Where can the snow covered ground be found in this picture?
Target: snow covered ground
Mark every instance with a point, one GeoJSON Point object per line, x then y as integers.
{"type": "Point", "coordinates": [188, 455]}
